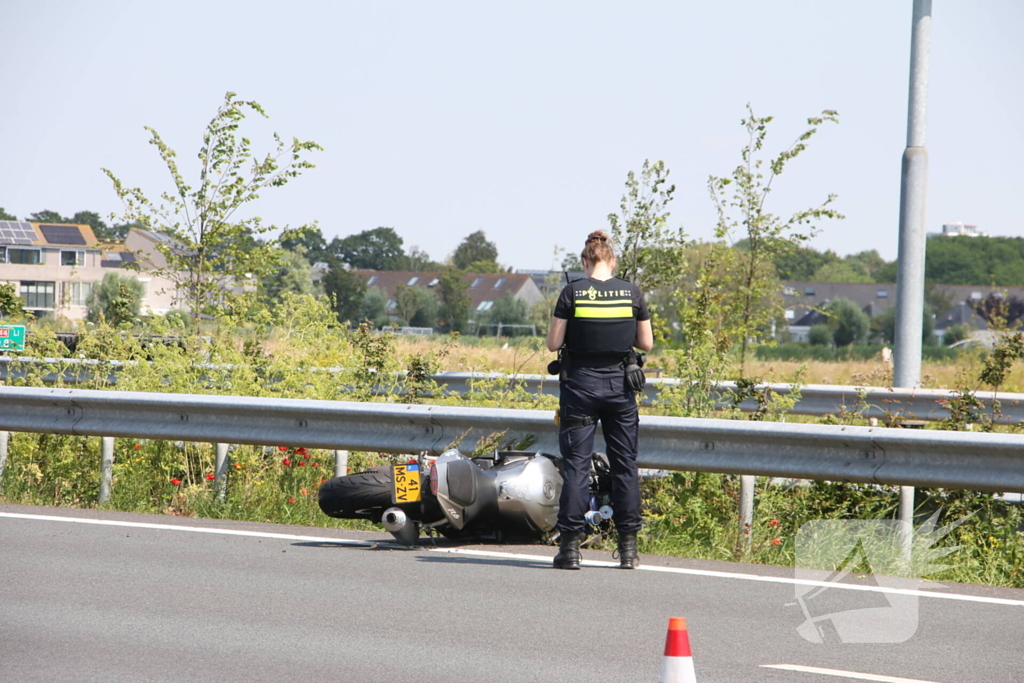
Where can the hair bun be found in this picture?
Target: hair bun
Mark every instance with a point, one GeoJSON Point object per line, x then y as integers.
{"type": "Point", "coordinates": [598, 235]}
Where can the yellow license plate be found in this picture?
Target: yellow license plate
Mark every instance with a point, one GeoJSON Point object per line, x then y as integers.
{"type": "Point", "coordinates": [405, 483]}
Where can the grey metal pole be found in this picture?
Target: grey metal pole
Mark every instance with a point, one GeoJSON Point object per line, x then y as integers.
{"type": "Point", "coordinates": [746, 516]}
{"type": "Point", "coordinates": [340, 463]}
{"type": "Point", "coordinates": [220, 473]}
{"type": "Point", "coordinates": [4, 439]}
{"type": "Point", "coordinates": [906, 525]}
{"type": "Point", "coordinates": [106, 467]}
{"type": "Point", "coordinates": [913, 210]}
{"type": "Point", "coordinates": [913, 205]}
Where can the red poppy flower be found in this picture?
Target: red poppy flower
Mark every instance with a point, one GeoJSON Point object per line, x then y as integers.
{"type": "Point", "coordinates": [176, 482]}
{"type": "Point", "coordinates": [304, 492]}
{"type": "Point", "coordinates": [291, 501]}
{"type": "Point", "coordinates": [238, 465]}
{"type": "Point", "coordinates": [773, 522]}
{"type": "Point", "coordinates": [282, 448]}
{"type": "Point", "coordinates": [316, 464]}
{"type": "Point", "coordinates": [301, 463]}
{"type": "Point", "coordinates": [300, 451]}
{"type": "Point", "coordinates": [210, 477]}
{"type": "Point", "coordinates": [286, 462]}
{"type": "Point", "coordinates": [137, 446]}
{"type": "Point", "coordinates": [776, 541]}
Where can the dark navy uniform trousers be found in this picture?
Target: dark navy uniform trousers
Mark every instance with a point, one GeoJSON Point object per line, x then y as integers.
{"type": "Point", "coordinates": [601, 394]}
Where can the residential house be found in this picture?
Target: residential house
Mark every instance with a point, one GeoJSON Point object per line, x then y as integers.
{"type": "Point", "coordinates": [484, 288]}
{"type": "Point", "coordinates": [56, 266]}
{"type": "Point", "coordinates": [804, 300]}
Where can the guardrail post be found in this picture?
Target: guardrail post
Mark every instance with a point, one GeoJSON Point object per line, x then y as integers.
{"type": "Point", "coordinates": [746, 516]}
{"type": "Point", "coordinates": [106, 467]}
{"type": "Point", "coordinates": [340, 463]}
{"type": "Point", "coordinates": [220, 472]}
{"type": "Point", "coordinates": [4, 438]}
{"type": "Point", "coordinates": [906, 519]}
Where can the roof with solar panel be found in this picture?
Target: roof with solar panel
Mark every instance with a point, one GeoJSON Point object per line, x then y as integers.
{"type": "Point", "coordinates": [22, 233]}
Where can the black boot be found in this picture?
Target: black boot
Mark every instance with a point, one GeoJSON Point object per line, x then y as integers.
{"type": "Point", "coordinates": [568, 556]}
{"type": "Point", "coordinates": [627, 550]}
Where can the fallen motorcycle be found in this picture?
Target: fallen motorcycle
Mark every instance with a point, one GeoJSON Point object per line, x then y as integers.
{"type": "Point", "coordinates": [507, 496]}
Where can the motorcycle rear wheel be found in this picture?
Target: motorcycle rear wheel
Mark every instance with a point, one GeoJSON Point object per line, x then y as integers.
{"type": "Point", "coordinates": [358, 496]}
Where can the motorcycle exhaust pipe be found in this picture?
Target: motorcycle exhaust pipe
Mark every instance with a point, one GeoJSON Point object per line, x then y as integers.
{"type": "Point", "coordinates": [593, 517]}
{"type": "Point", "coordinates": [393, 519]}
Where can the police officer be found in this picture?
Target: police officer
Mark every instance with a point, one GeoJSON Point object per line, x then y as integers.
{"type": "Point", "coordinates": [599, 319]}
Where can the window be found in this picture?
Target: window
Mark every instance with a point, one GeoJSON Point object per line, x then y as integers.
{"type": "Point", "coordinates": [413, 280]}
{"type": "Point", "coordinates": [975, 296]}
{"type": "Point", "coordinates": [26, 256]}
{"type": "Point", "coordinates": [3, 254]}
{"type": "Point", "coordinates": [790, 314]}
{"type": "Point", "coordinates": [485, 306]}
{"type": "Point", "coordinates": [809, 291]}
{"type": "Point", "coordinates": [72, 258]}
{"type": "Point", "coordinates": [38, 294]}
{"type": "Point", "coordinates": [78, 293]}
{"type": "Point", "coordinates": [499, 283]}
{"type": "Point", "coordinates": [476, 283]}
{"type": "Point", "coordinates": [371, 280]}
{"type": "Point", "coordinates": [883, 293]}
{"type": "Point", "coordinates": [433, 283]}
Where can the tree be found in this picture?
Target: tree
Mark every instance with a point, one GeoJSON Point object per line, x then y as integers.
{"type": "Point", "coordinates": [885, 325]}
{"type": "Point", "coordinates": [10, 303]}
{"type": "Point", "coordinates": [508, 310]}
{"type": "Point", "coordinates": [310, 240]}
{"type": "Point", "coordinates": [848, 324]}
{"type": "Point", "coordinates": [795, 262]}
{"type": "Point", "coordinates": [416, 306]}
{"type": "Point", "coordinates": [841, 271]}
{"type": "Point", "coordinates": [375, 306]}
{"type": "Point", "coordinates": [4, 216]}
{"type": "Point", "coordinates": [208, 249]}
{"type": "Point", "coordinates": [649, 251]}
{"type": "Point", "coordinates": [1001, 312]}
{"type": "Point", "coordinates": [474, 248]}
{"type": "Point", "coordinates": [756, 302]}
{"type": "Point", "coordinates": [46, 216]}
{"type": "Point", "coordinates": [116, 299]}
{"type": "Point", "coordinates": [819, 335]}
{"type": "Point", "coordinates": [871, 262]}
{"type": "Point", "coordinates": [419, 261]}
{"type": "Point", "coordinates": [377, 249]}
{"type": "Point", "coordinates": [292, 273]}
{"type": "Point", "coordinates": [346, 291]}
{"type": "Point", "coordinates": [454, 313]}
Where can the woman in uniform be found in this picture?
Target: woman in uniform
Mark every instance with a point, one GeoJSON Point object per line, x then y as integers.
{"type": "Point", "coordinates": [598, 321]}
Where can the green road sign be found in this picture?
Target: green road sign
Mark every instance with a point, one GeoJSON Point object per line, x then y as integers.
{"type": "Point", "coordinates": [12, 337]}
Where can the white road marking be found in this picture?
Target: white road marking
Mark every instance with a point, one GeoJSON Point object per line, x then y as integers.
{"type": "Point", "coordinates": [178, 527]}
{"type": "Point", "coordinates": [845, 674]}
{"type": "Point", "coordinates": [516, 556]}
{"type": "Point", "coordinates": [753, 577]}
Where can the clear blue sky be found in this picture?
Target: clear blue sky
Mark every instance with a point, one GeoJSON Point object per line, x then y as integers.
{"type": "Point", "coordinates": [520, 119]}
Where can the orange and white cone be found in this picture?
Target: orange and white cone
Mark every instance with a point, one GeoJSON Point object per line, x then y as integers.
{"type": "Point", "coordinates": [677, 665]}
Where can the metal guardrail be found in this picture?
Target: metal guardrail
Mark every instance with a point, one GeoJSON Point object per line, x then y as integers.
{"type": "Point", "coordinates": [815, 399]}
{"type": "Point", "coordinates": [929, 458]}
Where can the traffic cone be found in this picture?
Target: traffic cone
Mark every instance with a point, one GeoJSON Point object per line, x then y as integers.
{"type": "Point", "coordinates": [677, 665]}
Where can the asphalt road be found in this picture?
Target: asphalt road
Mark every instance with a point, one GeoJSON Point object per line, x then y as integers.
{"type": "Point", "coordinates": [230, 601]}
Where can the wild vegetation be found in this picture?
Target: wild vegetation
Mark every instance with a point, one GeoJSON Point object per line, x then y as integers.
{"type": "Point", "coordinates": [292, 340]}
